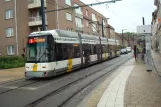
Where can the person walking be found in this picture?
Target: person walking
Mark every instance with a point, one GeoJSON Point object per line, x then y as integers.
{"type": "Point", "coordinates": [135, 52]}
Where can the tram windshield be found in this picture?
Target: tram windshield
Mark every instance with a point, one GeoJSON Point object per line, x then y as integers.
{"type": "Point", "coordinates": [37, 49]}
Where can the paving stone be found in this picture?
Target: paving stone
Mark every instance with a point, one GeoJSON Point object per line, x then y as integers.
{"type": "Point", "coordinates": [144, 88]}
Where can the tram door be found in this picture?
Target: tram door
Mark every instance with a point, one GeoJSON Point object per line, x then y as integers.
{"type": "Point", "coordinates": [86, 53]}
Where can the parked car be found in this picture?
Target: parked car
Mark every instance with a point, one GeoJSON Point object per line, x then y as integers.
{"type": "Point", "coordinates": [128, 49]}
{"type": "Point", "coordinates": [123, 51]}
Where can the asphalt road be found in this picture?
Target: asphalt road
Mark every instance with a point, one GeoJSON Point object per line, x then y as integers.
{"type": "Point", "coordinates": [57, 91]}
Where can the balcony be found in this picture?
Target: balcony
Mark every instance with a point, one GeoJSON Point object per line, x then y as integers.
{"type": "Point", "coordinates": [35, 21]}
{"type": "Point", "coordinates": [80, 15]}
{"type": "Point", "coordinates": [79, 28]}
{"type": "Point", "coordinates": [35, 4]}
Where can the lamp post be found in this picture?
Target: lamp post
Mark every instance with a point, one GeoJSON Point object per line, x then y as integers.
{"type": "Point", "coordinates": [102, 26]}
{"type": "Point", "coordinates": [122, 36]}
{"type": "Point", "coordinates": [43, 15]}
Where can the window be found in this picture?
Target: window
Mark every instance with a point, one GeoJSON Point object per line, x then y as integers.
{"type": "Point", "coordinates": [87, 23]}
{"type": "Point", "coordinates": [7, 0]}
{"type": "Point", "coordinates": [78, 10]}
{"type": "Point", "coordinates": [9, 14]}
{"type": "Point", "coordinates": [68, 2]}
{"type": "Point", "coordinates": [69, 16]}
{"type": "Point", "coordinates": [86, 12]}
{"type": "Point", "coordinates": [10, 50]}
{"type": "Point", "coordinates": [78, 22]}
{"type": "Point", "coordinates": [94, 17]}
{"type": "Point", "coordinates": [9, 32]}
{"type": "Point", "coordinates": [69, 29]}
{"type": "Point", "coordinates": [94, 27]}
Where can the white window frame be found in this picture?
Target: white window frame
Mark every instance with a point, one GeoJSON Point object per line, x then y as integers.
{"type": "Point", "coordinates": [69, 17]}
{"type": "Point", "coordinates": [87, 23]}
{"type": "Point", "coordinates": [9, 14]}
{"type": "Point", "coordinates": [69, 29]}
{"type": "Point", "coordinates": [86, 12]}
{"type": "Point", "coordinates": [9, 32]}
{"type": "Point", "coordinates": [10, 50]}
{"type": "Point", "coordinates": [79, 22]}
{"type": "Point", "coordinates": [68, 2]}
{"type": "Point", "coordinates": [94, 17]}
{"type": "Point", "coordinates": [7, 0]}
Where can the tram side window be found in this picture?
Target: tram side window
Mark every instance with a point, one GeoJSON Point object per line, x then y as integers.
{"type": "Point", "coordinates": [87, 49]}
{"type": "Point", "coordinates": [65, 51]}
{"type": "Point", "coordinates": [98, 49]}
{"type": "Point", "coordinates": [104, 49]}
{"type": "Point", "coordinates": [51, 48]}
{"type": "Point", "coordinates": [94, 49]}
{"type": "Point", "coordinates": [70, 51]}
{"type": "Point", "coordinates": [58, 52]}
{"type": "Point", "coordinates": [76, 51]}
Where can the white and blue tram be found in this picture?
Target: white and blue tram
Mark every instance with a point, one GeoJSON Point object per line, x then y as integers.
{"type": "Point", "coordinates": [53, 52]}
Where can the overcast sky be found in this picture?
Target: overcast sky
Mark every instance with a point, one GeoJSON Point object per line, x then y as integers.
{"type": "Point", "coordinates": [126, 14]}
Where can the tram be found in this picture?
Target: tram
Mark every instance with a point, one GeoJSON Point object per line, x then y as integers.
{"type": "Point", "coordinates": [53, 52]}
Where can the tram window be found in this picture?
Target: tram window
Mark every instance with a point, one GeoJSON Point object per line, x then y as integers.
{"type": "Point", "coordinates": [98, 49]}
{"type": "Point", "coordinates": [58, 52]}
{"type": "Point", "coordinates": [104, 48]}
{"type": "Point", "coordinates": [94, 49]}
{"type": "Point", "coordinates": [51, 48]}
{"type": "Point", "coordinates": [76, 51]}
{"type": "Point", "coordinates": [87, 49]}
{"type": "Point", "coordinates": [65, 51]}
{"type": "Point", "coordinates": [70, 51]}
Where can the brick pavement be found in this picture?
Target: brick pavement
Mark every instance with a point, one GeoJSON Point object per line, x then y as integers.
{"type": "Point", "coordinates": [141, 89]}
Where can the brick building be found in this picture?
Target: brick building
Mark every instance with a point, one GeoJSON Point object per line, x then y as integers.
{"type": "Point", "coordinates": [156, 26]}
{"type": "Point", "coordinates": [18, 18]}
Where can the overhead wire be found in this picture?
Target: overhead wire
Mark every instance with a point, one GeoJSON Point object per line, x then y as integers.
{"type": "Point", "coordinates": [114, 12]}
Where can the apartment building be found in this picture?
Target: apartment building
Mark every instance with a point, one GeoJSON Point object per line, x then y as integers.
{"type": "Point", "coordinates": [156, 26]}
{"type": "Point", "coordinates": [18, 18]}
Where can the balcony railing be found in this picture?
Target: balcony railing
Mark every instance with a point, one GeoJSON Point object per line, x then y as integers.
{"type": "Point", "coordinates": [37, 18]}
{"type": "Point", "coordinates": [80, 15]}
{"type": "Point", "coordinates": [35, 3]}
{"type": "Point", "coordinates": [79, 28]}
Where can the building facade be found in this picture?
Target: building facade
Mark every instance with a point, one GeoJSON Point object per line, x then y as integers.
{"type": "Point", "coordinates": [19, 18]}
{"type": "Point", "coordinates": [156, 26]}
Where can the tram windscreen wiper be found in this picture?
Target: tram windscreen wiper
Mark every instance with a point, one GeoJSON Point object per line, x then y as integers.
{"type": "Point", "coordinates": [45, 53]}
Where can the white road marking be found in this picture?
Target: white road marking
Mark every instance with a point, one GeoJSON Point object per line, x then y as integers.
{"type": "Point", "coordinates": [9, 87]}
{"type": "Point", "coordinates": [114, 94]}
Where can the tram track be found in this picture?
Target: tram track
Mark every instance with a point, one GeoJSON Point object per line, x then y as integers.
{"type": "Point", "coordinates": [12, 85]}
{"type": "Point", "coordinates": [63, 88]}
{"type": "Point", "coordinates": [14, 88]}
{"type": "Point", "coordinates": [88, 85]}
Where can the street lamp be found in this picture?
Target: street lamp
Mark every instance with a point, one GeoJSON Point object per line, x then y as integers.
{"type": "Point", "coordinates": [122, 36]}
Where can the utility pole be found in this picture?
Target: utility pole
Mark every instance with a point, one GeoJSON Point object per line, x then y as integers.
{"type": "Point", "coordinates": [43, 15]}
{"type": "Point", "coordinates": [128, 40]}
{"type": "Point", "coordinates": [122, 38]}
{"type": "Point", "coordinates": [102, 28]}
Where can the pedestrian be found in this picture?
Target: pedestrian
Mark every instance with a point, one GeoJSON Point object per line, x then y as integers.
{"type": "Point", "coordinates": [135, 52]}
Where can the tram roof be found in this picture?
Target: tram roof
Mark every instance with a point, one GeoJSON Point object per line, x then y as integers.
{"type": "Point", "coordinates": [63, 33]}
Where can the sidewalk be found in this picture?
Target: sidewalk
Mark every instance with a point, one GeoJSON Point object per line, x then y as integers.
{"type": "Point", "coordinates": [11, 74]}
{"type": "Point", "coordinates": [157, 62]}
{"type": "Point", "coordinates": [130, 86]}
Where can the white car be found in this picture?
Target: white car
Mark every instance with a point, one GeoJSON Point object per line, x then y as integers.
{"type": "Point", "coordinates": [128, 49]}
{"type": "Point", "coordinates": [123, 51]}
